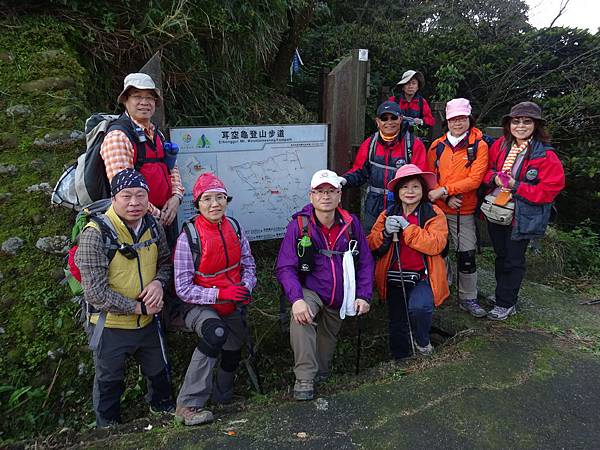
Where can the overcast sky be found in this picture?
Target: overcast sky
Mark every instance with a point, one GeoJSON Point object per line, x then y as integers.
{"type": "Point", "coordinates": [579, 13]}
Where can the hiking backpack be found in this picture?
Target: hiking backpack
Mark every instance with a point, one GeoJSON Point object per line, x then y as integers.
{"type": "Point", "coordinates": [85, 181]}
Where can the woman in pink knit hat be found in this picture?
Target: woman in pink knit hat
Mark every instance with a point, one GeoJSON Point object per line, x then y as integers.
{"type": "Point", "coordinates": [459, 158]}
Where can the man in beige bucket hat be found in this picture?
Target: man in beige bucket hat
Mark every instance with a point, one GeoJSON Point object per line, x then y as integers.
{"type": "Point", "coordinates": [134, 141]}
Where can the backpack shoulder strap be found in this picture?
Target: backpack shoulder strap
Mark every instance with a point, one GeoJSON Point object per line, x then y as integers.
{"type": "Point", "coordinates": [439, 149]}
{"type": "Point", "coordinates": [421, 106]}
{"type": "Point", "coordinates": [236, 226]}
{"type": "Point", "coordinates": [193, 240]}
{"type": "Point", "coordinates": [153, 225]}
{"type": "Point", "coordinates": [472, 153]}
{"type": "Point", "coordinates": [108, 233]}
{"type": "Point", "coordinates": [126, 125]}
{"type": "Point", "coordinates": [372, 146]}
{"type": "Point", "coordinates": [302, 225]}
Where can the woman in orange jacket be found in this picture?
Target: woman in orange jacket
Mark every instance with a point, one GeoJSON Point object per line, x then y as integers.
{"type": "Point", "coordinates": [413, 265]}
{"type": "Point", "coordinates": [459, 158]}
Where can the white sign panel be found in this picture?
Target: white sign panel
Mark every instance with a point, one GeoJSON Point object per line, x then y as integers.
{"type": "Point", "coordinates": [266, 169]}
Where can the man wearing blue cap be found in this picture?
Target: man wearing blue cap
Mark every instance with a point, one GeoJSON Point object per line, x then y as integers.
{"type": "Point", "coordinates": [380, 156]}
{"type": "Point", "coordinates": [125, 265]}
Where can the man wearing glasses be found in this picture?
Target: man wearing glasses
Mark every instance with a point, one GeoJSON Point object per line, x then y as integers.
{"type": "Point", "coordinates": [326, 270]}
{"type": "Point", "coordinates": [124, 288]}
{"type": "Point", "coordinates": [133, 141]}
{"type": "Point", "coordinates": [381, 155]}
{"type": "Point", "coordinates": [214, 275]}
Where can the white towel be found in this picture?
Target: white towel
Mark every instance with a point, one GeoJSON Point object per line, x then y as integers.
{"type": "Point", "coordinates": [348, 308]}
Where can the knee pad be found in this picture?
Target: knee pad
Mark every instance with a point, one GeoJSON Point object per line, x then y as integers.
{"type": "Point", "coordinates": [213, 336]}
{"type": "Point", "coordinates": [466, 262]}
{"type": "Point", "coordinates": [230, 359]}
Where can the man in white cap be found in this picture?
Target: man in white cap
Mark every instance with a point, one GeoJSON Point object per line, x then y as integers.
{"type": "Point", "coordinates": [326, 270]}
{"type": "Point", "coordinates": [133, 141]}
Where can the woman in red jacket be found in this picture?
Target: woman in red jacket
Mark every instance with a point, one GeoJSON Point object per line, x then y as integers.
{"type": "Point", "coordinates": [524, 175]}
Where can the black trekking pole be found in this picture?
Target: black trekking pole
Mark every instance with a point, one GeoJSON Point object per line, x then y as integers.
{"type": "Point", "coordinates": [396, 244]}
{"type": "Point", "coordinates": [457, 256]}
{"type": "Point", "coordinates": [250, 361]}
{"type": "Point", "coordinates": [163, 346]}
{"type": "Point", "coordinates": [359, 325]}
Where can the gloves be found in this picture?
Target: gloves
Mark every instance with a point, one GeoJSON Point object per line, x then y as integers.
{"type": "Point", "coordinates": [418, 121]}
{"type": "Point", "coordinates": [393, 224]}
{"type": "Point", "coordinates": [234, 294]}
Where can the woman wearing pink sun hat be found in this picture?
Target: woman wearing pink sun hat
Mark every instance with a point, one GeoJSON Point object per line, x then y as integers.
{"type": "Point", "coordinates": [410, 274]}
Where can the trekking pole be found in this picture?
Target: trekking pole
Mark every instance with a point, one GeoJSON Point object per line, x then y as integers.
{"type": "Point", "coordinates": [457, 256]}
{"type": "Point", "coordinates": [252, 369]}
{"type": "Point", "coordinates": [163, 346]}
{"type": "Point", "coordinates": [358, 342]}
{"type": "Point", "coordinates": [410, 333]}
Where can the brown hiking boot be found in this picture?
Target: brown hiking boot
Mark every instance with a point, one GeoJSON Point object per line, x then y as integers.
{"type": "Point", "coordinates": [304, 390]}
{"type": "Point", "coordinates": [193, 416]}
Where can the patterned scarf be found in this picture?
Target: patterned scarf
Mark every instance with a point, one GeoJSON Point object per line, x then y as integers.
{"type": "Point", "coordinates": [505, 195]}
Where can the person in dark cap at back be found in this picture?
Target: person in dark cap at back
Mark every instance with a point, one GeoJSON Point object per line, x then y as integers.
{"type": "Point", "coordinates": [123, 284]}
{"type": "Point", "coordinates": [380, 156]}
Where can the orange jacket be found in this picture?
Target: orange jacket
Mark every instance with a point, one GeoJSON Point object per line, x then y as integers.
{"type": "Point", "coordinates": [454, 176]}
{"type": "Point", "coordinates": [429, 240]}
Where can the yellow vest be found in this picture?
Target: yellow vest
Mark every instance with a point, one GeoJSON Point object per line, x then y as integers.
{"type": "Point", "coordinates": [128, 277]}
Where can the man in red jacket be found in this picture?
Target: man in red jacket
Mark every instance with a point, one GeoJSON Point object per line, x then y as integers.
{"type": "Point", "coordinates": [380, 156]}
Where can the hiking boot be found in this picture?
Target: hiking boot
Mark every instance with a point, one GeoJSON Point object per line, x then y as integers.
{"type": "Point", "coordinates": [424, 351]}
{"type": "Point", "coordinates": [473, 308]}
{"type": "Point", "coordinates": [193, 416]}
{"type": "Point", "coordinates": [165, 408]}
{"type": "Point", "coordinates": [304, 390]}
{"type": "Point", "coordinates": [500, 313]}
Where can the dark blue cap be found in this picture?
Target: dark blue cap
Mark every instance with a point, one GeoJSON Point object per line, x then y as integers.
{"type": "Point", "coordinates": [389, 107]}
{"type": "Point", "coordinates": [127, 178]}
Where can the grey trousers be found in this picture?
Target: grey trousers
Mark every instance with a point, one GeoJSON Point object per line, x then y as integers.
{"type": "Point", "coordinates": [313, 345]}
{"type": "Point", "coordinates": [198, 383]}
{"type": "Point", "coordinates": [468, 241]}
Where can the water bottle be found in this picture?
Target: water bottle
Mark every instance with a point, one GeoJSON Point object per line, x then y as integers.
{"type": "Point", "coordinates": [305, 254]}
{"type": "Point", "coordinates": [171, 150]}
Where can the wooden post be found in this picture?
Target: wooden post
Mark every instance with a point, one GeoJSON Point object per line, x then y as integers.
{"type": "Point", "coordinates": [153, 68]}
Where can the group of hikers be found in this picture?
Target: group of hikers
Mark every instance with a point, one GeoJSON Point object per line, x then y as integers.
{"type": "Point", "coordinates": [328, 260]}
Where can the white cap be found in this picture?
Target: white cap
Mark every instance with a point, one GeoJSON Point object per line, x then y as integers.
{"type": "Point", "coordinates": [326, 177]}
{"type": "Point", "coordinates": [139, 81]}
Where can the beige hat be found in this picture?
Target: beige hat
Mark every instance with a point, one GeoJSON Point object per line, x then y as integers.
{"type": "Point", "coordinates": [139, 81]}
{"type": "Point", "coordinates": [409, 74]}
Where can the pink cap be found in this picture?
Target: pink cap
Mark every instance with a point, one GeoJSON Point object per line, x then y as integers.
{"type": "Point", "coordinates": [458, 107]}
{"type": "Point", "coordinates": [409, 170]}
{"type": "Point", "coordinates": [207, 182]}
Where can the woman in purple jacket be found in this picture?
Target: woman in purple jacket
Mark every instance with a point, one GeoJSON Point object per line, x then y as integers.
{"type": "Point", "coordinates": [326, 270]}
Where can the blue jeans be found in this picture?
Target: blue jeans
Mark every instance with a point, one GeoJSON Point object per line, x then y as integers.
{"type": "Point", "coordinates": [420, 307]}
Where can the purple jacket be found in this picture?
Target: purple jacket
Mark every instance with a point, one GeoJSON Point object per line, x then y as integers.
{"type": "Point", "coordinates": [327, 277]}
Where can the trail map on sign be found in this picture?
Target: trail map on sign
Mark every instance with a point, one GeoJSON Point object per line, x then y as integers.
{"type": "Point", "coordinates": [266, 169]}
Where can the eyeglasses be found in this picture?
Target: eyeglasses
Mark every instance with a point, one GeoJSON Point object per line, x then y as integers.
{"type": "Point", "coordinates": [328, 192]}
{"type": "Point", "coordinates": [143, 98]}
{"type": "Point", "coordinates": [209, 200]}
{"type": "Point", "coordinates": [458, 119]}
{"type": "Point", "coordinates": [387, 117]}
{"type": "Point", "coordinates": [526, 122]}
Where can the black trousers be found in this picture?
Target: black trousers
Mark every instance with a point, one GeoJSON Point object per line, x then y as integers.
{"type": "Point", "coordinates": [510, 264]}
{"type": "Point", "coordinates": [115, 346]}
